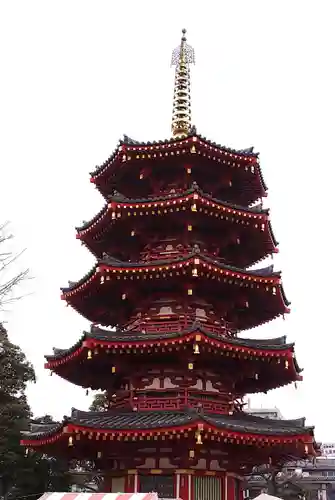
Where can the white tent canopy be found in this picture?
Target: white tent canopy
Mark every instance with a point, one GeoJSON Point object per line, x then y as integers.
{"type": "Point", "coordinates": [99, 496]}
{"type": "Point", "coordinates": [265, 496]}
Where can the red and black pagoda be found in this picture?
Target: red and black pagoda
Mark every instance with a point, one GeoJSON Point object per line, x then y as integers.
{"type": "Point", "coordinates": [171, 290]}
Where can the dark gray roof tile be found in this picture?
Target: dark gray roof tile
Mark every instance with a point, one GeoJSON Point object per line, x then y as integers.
{"type": "Point", "coordinates": [247, 153]}
{"type": "Point", "coordinates": [124, 420]}
{"type": "Point", "coordinates": [120, 198]}
{"type": "Point", "coordinates": [103, 335]}
{"type": "Point", "coordinates": [111, 261]}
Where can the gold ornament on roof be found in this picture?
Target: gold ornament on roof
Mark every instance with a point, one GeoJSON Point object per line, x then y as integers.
{"type": "Point", "coordinates": [196, 349]}
{"type": "Point", "coordinates": [182, 57]}
{"type": "Point", "coordinates": [198, 437]}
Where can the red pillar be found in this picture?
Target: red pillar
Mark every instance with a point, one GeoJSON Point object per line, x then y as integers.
{"type": "Point", "coordinates": [231, 488]}
{"type": "Point", "coordinates": [131, 482]}
{"type": "Point", "coordinates": [185, 485]}
{"type": "Point", "coordinates": [234, 488]}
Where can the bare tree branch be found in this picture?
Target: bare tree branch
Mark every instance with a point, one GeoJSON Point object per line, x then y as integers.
{"type": "Point", "coordinates": [9, 280]}
{"type": "Point", "coordinates": [277, 481]}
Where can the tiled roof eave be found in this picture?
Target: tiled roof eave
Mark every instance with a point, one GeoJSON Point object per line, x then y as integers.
{"type": "Point", "coordinates": [110, 262]}
{"type": "Point", "coordinates": [243, 153]}
{"type": "Point", "coordinates": [87, 276]}
{"type": "Point", "coordinates": [138, 421]}
{"type": "Point", "coordinates": [252, 210]}
{"type": "Point", "coordinates": [123, 200]}
{"type": "Point", "coordinates": [266, 272]}
{"type": "Point", "coordinates": [298, 369]}
{"type": "Point", "coordinates": [100, 335]}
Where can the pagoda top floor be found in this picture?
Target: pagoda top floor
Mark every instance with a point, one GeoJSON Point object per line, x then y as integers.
{"type": "Point", "coordinates": [141, 170]}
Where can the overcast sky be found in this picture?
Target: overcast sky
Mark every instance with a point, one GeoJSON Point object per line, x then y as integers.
{"type": "Point", "coordinates": [76, 75]}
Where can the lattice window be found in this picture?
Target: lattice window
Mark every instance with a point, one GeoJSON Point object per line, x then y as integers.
{"type": "Point", "coordinates": [162, 485]}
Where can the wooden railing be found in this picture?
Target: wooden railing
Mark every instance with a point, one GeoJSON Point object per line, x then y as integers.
{"type": "Point", "coordinates": [152, 255]}
{"type": "Point", "coordinates": [177, 323]}
{"type": "Point", "coordinates": [176, 401]}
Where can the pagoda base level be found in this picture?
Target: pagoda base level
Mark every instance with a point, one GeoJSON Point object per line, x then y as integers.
{"type": "Point", "coordinates": [182, 484]}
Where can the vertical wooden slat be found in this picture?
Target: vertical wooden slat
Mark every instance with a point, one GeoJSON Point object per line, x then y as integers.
{"type": "Point", "coordinates": [117, 484]}
{"type": "Point", "coordinates": [207, 488]}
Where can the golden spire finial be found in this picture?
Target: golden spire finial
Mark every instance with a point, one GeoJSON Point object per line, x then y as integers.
{"type": "Point", "coordinates": [182, 57]}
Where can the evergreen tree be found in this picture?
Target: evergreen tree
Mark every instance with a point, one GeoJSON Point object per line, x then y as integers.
{"type": "Point", "coordinates": [22, 475]}
{"type": "Point", "coordinates": [15, 373]}
{"type": "Point", "coordinates": [100, 402]}
{"type": "Point", "coordinates": [49, 473]}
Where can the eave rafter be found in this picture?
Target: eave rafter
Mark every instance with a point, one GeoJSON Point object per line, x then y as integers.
{"type": "Point", "coordinates": [192, 200]}
{"type": "Point", "coordinates": [200, 431]}
{"type": "Point", "coordinates": [89, 346]}
{"type": "Point", "coordinates": [125, 283]}
{"type": "Point", "coordinates": [152, 150]}
{"type": "Point", "coordinates": [192, 263]}
{"type": "Point", "coordinates": [244, 162]}
{"type": "Point", "coordinates": [115, 208]}
{"type": "Point", "coordinates": [195, 346]}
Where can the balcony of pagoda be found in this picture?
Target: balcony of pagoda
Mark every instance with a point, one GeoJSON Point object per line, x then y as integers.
{"type": "Point", "coordinates": [175, 399]}
{"type": "Point", "coordinates": [173, 249]}
{"type": "Point", "coordinates": [167, 191]}
{"type": "Point", "coordinates": [165, 252]}
{"type": "Point", "coordinates": [169, 322]}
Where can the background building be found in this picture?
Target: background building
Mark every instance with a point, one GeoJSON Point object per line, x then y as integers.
{"type": "Point", "coordinates": [273, 413]}
{"type": "Point", "coordinates": [328, 450]}
{"type": "Point", "coordinates": [315, 479]}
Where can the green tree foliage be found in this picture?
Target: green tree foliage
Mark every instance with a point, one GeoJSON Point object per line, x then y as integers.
{"type": "Point", "coordinates": [43, 472]}
{"type": "Point", "coordinates": [22, 475]}
{"type": "Point", "coordinates": [100, 402]}
{"type": "Point", "coordinates": [15, 373]}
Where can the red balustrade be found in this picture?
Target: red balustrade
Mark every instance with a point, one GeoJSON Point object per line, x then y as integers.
{"type": "Point", "coordinates": [176, 401]}
{"type": "Point", "coordinates": [167, 323]}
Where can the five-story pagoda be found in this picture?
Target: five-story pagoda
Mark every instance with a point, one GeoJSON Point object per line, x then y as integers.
{"type": "Point", "coordinates": [171, 290]}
